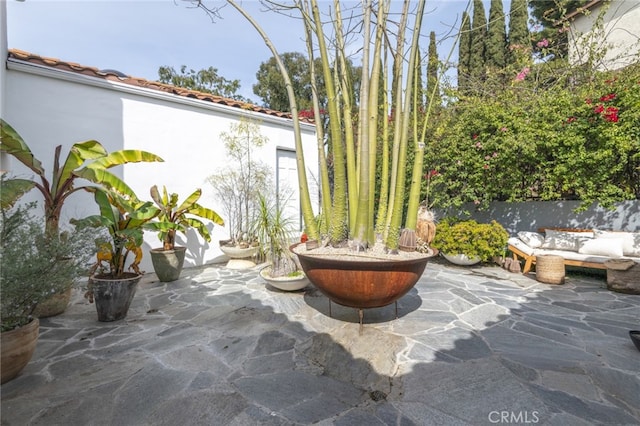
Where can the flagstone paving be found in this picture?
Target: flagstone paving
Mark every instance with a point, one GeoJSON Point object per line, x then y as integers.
{"type": "Point", "coordinates": [470, 346]}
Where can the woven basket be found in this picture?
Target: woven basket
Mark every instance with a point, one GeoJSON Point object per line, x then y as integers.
{"type": "Point", "coordinates": [550, 269]}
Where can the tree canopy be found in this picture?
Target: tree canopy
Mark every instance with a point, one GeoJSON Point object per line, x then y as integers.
{"type": "Point", "coordinates": [206, 80]}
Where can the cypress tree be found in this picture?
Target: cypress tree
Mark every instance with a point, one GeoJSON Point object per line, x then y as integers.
{"type": "Point", "coordinates": [433, 88]}
{"type": "Point", "coordinates": [496, 37]}
{"type": "Point", "coordinates": [464, 50]}
{"type": "Point", "coordinates": [478, 40]}
{"type": "Point", "coordinates": [518, 30]}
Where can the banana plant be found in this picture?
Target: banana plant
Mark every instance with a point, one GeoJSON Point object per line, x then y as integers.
{"type": "Point", "coordinates": [88, 160]}
{"type": "Point", "coordinates": [124, 217]}
{"type": "Point", "coordinates": [174, 217]}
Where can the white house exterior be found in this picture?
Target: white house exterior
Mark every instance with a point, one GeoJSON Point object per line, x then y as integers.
{"type": "Point", "coordinates": [618, 37]}
{"type": "Point", "coordinates": [52, 102]}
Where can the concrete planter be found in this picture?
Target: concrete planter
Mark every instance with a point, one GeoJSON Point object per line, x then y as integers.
{"type": "Point", "coordinates": [113, 296]}
{"type": "Point", "coordinates": [461, 259]}
{"type": "Point", "coordinates": [168, 264]}
{"type": "Point", "coordinates": [284, 283]}
{"type": "Point", "coordinates": [240, 257]}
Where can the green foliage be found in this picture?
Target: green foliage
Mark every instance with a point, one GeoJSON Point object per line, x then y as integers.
{"type": "Point", "coordinates": [464, 51]}
{"type": "Point", "coordinates": [496, 37]}
{"type": "Point", "coordinates": [547, 14]}
{"type": "Point", "coordinates": [275, 232]}
{"type": "Point", "coordinates": [477, 59]}
{"type": "Point", "coordinates": [237, 186]}
{"type": "Point", "coordinates": [533, 142]}
{"type": "Point", "coordinates": [124, 217]}
{"type": "Point", "coordinates": [484, 240]}
{"type": "Point", "coordinates": [206, 80]}
{"type": "Point", "coordinates": [174, 217]}
{"type": "Point", "coordinates": [35, 266]}
{"type": "Point", "coordinates": [433, 65]}
{"type": "Point", "coordinates": [62, 182]}
{"type": "Point", "coordinates": [518, 35]}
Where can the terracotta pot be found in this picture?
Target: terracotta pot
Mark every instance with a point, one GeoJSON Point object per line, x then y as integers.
{"type": "Point", "coordinates": [362, 283]}
{"type": "Point", "coordinates": [113, 296]}
{"type": "Point", "coordinates": [54, 305]}
{"type": "Point", "coordinates": [167, 264]}
{"type": "Point", "coordinates": [17, 349]}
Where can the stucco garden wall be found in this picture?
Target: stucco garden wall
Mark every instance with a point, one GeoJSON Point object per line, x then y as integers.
{"type": "Point", "coordinates": [50, 107]}
{"type": "Point", "coordinates": [529, 216]}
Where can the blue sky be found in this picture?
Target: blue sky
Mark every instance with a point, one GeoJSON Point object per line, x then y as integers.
{"type": "Point", "coordinates": [137, 37]}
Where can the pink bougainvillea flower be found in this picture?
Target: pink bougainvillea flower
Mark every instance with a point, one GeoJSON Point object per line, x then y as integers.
{"type": "Point", "coordinates": [522, 74]}
{"type": "Point", "coordinates": [543, 43]}
{"type": "Point", "coordinates": [598, 109]}
{"type": "Point", "coordinates": [495, 154]}
{"type": "Point", "coordinates": [486, 166]}
{"type": "Point", "coordinates": [476, 202]}
{"type": "Point", "coordinates": [487, 157]}
{"type": "Point", "coordinates": [588, 101]}
{"type": "Point", "coordinates": [571, 120]}
{"type": "Point", "coordinates": [504, 129]}
{"type": "Point", "coordinates": [478, 145]}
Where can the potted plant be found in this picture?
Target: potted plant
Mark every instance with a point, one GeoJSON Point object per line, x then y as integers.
{"type": "Point", "coordinates": [111, 285]}
{"type": "Point", "coordinates": [466, 242]}
{"type": "Point", "coordinates": [236, 187]}
{"type": "Point", "coordinates": [173, 217]}
{"type": "Point", "coordinates": [88, 160]}
{"type": "Point", "coordinates": [34, 266]}
{"type": "Point", "coordinates": [363, 203]}
{"type": "Point", "coordinates": [275, 233]}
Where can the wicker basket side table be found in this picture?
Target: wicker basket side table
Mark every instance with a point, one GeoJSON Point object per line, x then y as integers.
{"type": "Point", "coordinates": [550, 269]}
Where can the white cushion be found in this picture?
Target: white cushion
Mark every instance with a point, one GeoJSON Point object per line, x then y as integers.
{"type": "Point", "coordinates": [611, 247]}
{"type": "Point", "coordinates": [630, 244]}
{"type": "Point", "coordinates": [520, 245]}
{"type": "Point", "coordinates": [532, 239]}
{"type": "Point", "coordinates": [563, 240]}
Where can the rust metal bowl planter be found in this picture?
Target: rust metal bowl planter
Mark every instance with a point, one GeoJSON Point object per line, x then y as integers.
{"type": "Point", "coordinates": [362, 284]}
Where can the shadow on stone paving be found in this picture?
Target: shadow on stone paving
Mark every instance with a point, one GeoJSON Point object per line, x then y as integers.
{"type": "Point", "coordinates": [410, 302]}
{"type": "Point", "coordinates": [222, 349]}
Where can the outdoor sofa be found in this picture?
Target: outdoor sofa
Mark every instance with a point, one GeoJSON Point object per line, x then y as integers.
{"type": "Point", "coordinates": [587, 248]}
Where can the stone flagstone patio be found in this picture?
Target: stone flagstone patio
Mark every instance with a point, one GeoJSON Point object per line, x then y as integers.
{"type": "Point", "coordinates": [471, 346]}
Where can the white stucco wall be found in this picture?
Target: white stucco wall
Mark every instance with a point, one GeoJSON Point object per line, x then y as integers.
{"type": "Point", "coordinates": [3, 54]}
{"type": "Point", "coordinates": [620, 35]}
{"type": "Point", "coordinates": [50, 107]}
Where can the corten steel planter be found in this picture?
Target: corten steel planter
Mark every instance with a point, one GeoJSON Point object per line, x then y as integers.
{"type": "Point", "coordinates": [363, 284]}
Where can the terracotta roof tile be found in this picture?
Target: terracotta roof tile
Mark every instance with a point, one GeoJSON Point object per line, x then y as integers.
{"type": "Point", "coordinates": [113, 75]}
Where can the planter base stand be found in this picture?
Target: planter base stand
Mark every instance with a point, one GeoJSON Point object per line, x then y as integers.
{"type": "Point", "coordinates": [241, 264]}
{"type": "Point", "coordinates": [361, 315]}
{"type": "Point", "coordinates": [240, 258]}
{"type": "Point", "coordinates": [362, 284]}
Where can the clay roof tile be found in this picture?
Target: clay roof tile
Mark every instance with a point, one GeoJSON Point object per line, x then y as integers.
{"type": "Point", "coordinates": [114, 75]}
